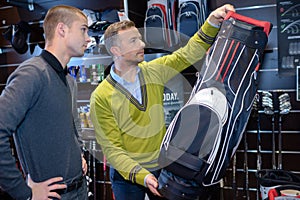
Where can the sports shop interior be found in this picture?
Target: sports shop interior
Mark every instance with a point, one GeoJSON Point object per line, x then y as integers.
{"type": "Point", "coordinates": [269, 143]}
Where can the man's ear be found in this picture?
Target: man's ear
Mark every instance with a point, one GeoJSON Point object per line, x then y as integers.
{"type": "Point", "coordinates": [115, 51]}
{"type": "Point", "coordinates": [60, 28]}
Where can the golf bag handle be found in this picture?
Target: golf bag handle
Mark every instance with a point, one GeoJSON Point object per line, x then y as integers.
{"type": "Point", "coordinates": [264, 24]}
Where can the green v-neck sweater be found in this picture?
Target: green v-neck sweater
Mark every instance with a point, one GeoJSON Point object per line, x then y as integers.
{"type": "Point", "coordinates": [129, 132]}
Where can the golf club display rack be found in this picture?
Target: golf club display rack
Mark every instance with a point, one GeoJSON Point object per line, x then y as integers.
{"type": "Point", "coordinates": [270, 142]}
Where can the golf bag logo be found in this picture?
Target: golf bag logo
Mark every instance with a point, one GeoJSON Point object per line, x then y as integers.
{"type": "Point", "coordinates": [206, 132]}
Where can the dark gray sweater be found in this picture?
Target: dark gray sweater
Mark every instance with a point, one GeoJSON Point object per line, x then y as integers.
{"type": "Point", "coordinates": [36, 105]}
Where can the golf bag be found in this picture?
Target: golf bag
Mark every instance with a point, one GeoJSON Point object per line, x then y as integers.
{"type": "Point", "coordinates": [160, 24]}
{"type": "Point", "coordinates": [206, 131]}
{"type": "Point", "coordinates": [278, 184]}
{"type": "Point", "coordinates": [191, 16]}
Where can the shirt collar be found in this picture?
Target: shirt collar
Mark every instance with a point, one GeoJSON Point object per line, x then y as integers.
{"type": "Point", "coordinates": [119, 79]}
{"type": "Point", "coordinates": [55, 64]}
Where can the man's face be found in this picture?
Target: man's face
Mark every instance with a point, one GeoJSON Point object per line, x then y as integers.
{"type": "Point", "coordinates": [131, 46]}
{"type": "Point", "coordinates": [77, 38]}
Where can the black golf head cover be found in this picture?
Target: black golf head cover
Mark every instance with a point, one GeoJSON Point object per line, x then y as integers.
{"type": "Point", "coordinates": [36, 38]}
{"type": "Point", "coordinates": [19, 38]}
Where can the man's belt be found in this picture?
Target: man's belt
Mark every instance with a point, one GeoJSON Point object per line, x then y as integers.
{"type": "Point", "coordinates": [74, 185]}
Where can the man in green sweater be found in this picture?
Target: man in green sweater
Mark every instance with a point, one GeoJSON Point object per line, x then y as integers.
{"type": "Point", "coordinates": [127, 107]}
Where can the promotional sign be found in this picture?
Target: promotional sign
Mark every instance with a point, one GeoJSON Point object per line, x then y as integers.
{"type": "Point", "coordinates": [288, 22]}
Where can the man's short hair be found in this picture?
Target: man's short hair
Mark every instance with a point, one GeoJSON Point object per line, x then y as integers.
{"type": "Point", "coordinates": [61, 13]}
{"type": "Point", "coordinates": [110, 35]}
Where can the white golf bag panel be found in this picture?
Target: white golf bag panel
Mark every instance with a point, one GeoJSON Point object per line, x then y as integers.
{"type": "Point", "coordinates": [206, 132]}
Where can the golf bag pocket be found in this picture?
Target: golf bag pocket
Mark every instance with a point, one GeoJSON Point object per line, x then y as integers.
{"type": "Point", "coordinates": [188, 20]}
{"type": "Point", "coordinates": [190, 143]}
{"type": "Point", "coordinates": [182, 188]}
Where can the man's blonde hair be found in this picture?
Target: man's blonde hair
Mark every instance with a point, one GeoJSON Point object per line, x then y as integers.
{"type": "Point", "coordinates": [110, 35]}
{"type": "Point", "coordinates": [60, 14]}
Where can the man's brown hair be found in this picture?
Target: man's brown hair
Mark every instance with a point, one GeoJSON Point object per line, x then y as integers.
{"type": "Point", "coordinates": [61, 13]}
{"type": "Point", "coordinates": [110, 35]}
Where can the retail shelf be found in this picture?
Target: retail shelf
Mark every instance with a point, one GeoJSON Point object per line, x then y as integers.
{"type": "Point", "coordinates": [88, 134]}
{"type": "Point", "coordinates": [90, 59]}
{"type": "Point", "coordinates": [83, 101]}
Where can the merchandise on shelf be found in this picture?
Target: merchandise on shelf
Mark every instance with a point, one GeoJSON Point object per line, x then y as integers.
{"type": "Point", "coordinates": [84, 114]}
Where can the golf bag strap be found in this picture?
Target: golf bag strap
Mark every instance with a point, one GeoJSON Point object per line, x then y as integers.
{"type": "Point", "coordinates": [263, 24]}
{"type": "Point", "coordinates": [186, 159]}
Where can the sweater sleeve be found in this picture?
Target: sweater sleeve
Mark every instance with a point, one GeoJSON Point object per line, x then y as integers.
{"type": "Point", "coordinates": [20, 93]}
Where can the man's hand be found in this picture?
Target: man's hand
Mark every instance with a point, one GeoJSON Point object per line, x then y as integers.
{"type": "Point", "coordinates": [152, 184]}
{"type": "Point", "coordinates": [43, 190]}
{"type": "Point", "coordinates": [84, 165]}
{"type": "Point", "coordinates": [217, 16]}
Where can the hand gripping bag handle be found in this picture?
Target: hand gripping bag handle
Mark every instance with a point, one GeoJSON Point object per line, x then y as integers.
{"type": "Point", "coordinates": [264, 24]}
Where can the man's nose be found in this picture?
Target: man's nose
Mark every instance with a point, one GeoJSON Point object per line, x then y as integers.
{"type": "Point", "coordinates": [142, 43]}
{"type": "Point", "coordinates": [88, 39]}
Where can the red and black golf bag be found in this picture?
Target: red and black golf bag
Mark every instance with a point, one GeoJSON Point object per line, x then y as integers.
{"type": "Point", "coordinates": [278, 184]}
{"type": "Point", "coordinates": [206, 131]}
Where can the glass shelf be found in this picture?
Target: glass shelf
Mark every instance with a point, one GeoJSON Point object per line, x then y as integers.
{"type": "Point", "coordinates": [90, 59]}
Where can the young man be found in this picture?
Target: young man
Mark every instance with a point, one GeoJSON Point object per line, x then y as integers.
{"type": "Point", "coordinates": [36, 108]}
{"type": "Point", "coordinates": [127, 107]}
